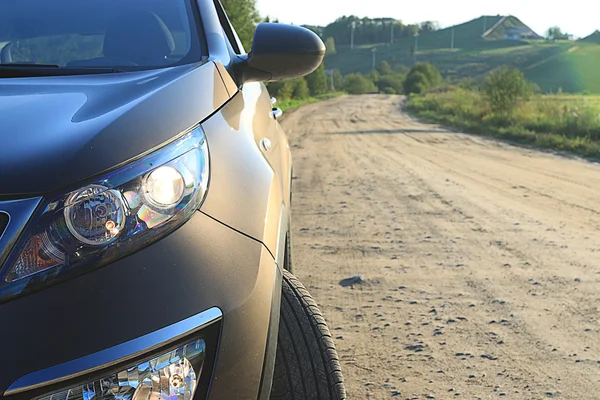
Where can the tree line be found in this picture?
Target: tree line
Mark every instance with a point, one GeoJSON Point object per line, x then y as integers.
{"type": "Point", "coordinates": [371, 30]}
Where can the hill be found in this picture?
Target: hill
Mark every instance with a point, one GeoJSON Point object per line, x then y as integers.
{"type": "Point", "coordinates": [481, 45]}
{"type": "Point", "coordinates": [573, 71]}
{"type": "Point", "coordinates": [593, 38]}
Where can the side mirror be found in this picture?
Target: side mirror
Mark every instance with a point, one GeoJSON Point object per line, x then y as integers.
{"type": "Point", "coordinates": [279, 52]}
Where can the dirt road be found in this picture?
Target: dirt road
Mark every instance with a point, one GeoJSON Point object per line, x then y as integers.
{"type": "Point", "coordinates": [480, 260]}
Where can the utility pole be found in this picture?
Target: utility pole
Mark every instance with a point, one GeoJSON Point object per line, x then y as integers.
{"type": "Point", "coordinates": [452, 38]}
{"type": "Point", "coordinates": [416, 46]}
{"type": "Point", "coordinates": [352, 35]}
{"type": "Point", "coordinates": [374, 51]}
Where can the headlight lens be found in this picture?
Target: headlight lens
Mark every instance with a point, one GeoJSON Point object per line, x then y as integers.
{"type": "Point", "coordinates": [173, 375]}
{"type": "Point", "coordinates": [110, 217]}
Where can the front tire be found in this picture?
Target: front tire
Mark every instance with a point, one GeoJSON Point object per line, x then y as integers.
{"type": "Point", "coordinates": [306, 365]}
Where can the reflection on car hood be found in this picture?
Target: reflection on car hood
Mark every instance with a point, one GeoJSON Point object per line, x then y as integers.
{"type": "Point", "coordinates": [56, 131]}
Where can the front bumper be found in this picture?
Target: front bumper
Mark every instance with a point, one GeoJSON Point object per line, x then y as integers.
{"type": "Point", "coordinates": [202, 269]}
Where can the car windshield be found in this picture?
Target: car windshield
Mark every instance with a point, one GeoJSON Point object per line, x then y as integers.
{"type": "Point", "coordinates": [83, 34]}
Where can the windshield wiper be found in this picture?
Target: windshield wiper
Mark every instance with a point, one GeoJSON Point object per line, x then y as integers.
{"type": "Point", "coordinates": [37, 70]}
{"type": "Point", "coordinates": [27, 65]}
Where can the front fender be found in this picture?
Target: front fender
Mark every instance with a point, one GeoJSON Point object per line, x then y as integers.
{"type": "Point", "coordinates": [245, 192]}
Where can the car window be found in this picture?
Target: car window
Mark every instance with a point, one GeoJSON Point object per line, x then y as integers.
{"type": "Point", "coordinates": [117, 33]}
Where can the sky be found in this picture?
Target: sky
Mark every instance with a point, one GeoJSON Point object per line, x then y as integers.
{"type": "Point", "coordinates": [578, 17]}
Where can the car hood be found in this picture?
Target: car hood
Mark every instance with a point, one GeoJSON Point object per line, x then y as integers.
{"type": "Point", "coordinates": [57, 131]}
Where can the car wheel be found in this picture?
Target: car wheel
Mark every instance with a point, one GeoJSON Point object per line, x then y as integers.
{"type": "Point", "coordinates": [306, 365]}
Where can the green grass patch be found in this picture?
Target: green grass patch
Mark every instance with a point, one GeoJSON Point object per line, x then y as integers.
{"type": "Point", "coordinates": [574, 70]}
{"type": "Point", "coordinates": [565, 123]}
{"type": "Point", "coordinates": [287, 105]}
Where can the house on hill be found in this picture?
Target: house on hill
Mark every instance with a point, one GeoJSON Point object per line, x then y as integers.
{"type": "Point", "coordinates": [510, 28]}
{"type": "Point", "coordinates": [516, 33]}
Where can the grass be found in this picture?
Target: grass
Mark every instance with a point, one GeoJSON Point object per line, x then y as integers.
{"type": "Point", "coordinates": [565, 123]}
{"type": "Point", "coordinates": [572, 71]}
{"type": "Point", "coordinates": [287, 105]}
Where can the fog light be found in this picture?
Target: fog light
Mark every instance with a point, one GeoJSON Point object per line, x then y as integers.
{"type": "Point", "coordinates": [171, 376]}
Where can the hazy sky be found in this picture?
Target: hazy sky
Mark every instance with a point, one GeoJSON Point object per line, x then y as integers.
{"type": "Point", "coordinates": [579, 17]}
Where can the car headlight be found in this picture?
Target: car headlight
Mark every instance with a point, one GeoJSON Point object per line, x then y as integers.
{"type": "Point", "coordinates": [111, 216]}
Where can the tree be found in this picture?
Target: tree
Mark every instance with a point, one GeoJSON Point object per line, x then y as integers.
{"type": "Point", "coordinates": [358, 84]}
{"type": "Point", "coordinates": [391, 84]}
{"type": "Point", "coordinates": [555, 33]}
{"type": "Point", "coordinates": [416, 82]}
{"type": "Point", "coordinates": [384, 68]}
{"type": "Point", "coordinates": [373, 76]}
{"type": "Point", "coordinates": [401, 69]}
{"type": "Point", "coordinates": [244, 17]}
{"type": "Point", "coordinates": [300, 89]}
{"type": "Point", "coordinates": [429, 26]}
{"type": "Point", "coordinates": [423, 76]}
{"type": "Point", "coordinates": [338, 79]}
{"type": "Point", "coordinates": [505, 88]}
{"type": "Point", "coordinates": [282, 90]}
{"type": "Point", "coordinates": [330, 45]}
{"type": "Point", "coordinates": [317, 81]}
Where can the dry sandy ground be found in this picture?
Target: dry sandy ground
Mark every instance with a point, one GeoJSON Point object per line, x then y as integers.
{"type": "Point", "coordinates": [480, 260]}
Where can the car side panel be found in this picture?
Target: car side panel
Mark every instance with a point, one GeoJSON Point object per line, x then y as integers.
{"type": "Point", "coordinates": [245, 188]}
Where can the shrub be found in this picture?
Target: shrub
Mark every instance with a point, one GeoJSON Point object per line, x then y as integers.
{"type": "Point", "coordinates": [401, 69]}
{"type": "Point", "coordinates": [318, 81]}
{"type": "Point", "coordinates": [391, 82]}
{"type": "Point", "coordinates": [358, 84]}
{"type": "Point", "coordinates": [430, 71]}
{"type": "Point", "coordinates": [338, 79]}
{"type": "Point", "coordinates": [300, 89]}
{"type": "Point", "coordinates": [282, 90]}
{"type": "Point", "coordinates": [384, 68]}
{"type": "Point", "coordinates": [416, 82]}
{"type": "Point", "coordinates": [505, 88]}
{"type": "Point", "coordinates": [373, 76]}
{"type": "Point", "coordinates": [421, 78]}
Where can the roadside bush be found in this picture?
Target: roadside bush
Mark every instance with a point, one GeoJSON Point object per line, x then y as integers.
{"type": "Point", "coordinates": [338, 79]}
{"type": "Point", "coordinates": [430, 71]}
{"type": "Point", "coordinates": [505, 88]}
{"type": "Point", "coordinates": [421, 78]}
{"type": "Point", "coordinates": [358, 84]}
{"type": "Point", "coordinates": [300, 89]}
{"type": "Point", "coordinates": [416, 82]}
{"type": "Point", "coordinates": [282, 90]}
{"type": "Point", "coordinates": [401, 69]}
{"type": "Point", "coordinates": [373, 76]}
{"type": "Point", "coordinates": [570, 123]}
{"type": "Point", "coordinates": [391, 84]}
{"type": "Point", "coordinates": [318, 81]}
